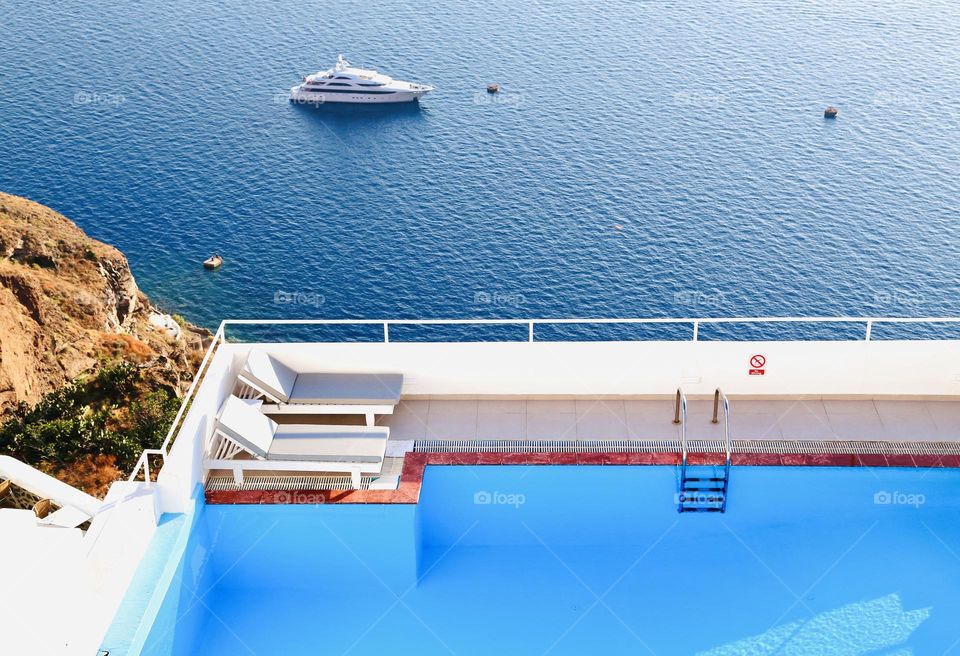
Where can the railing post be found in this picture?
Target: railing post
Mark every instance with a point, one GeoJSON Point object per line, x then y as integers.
{"type": "Point", "coordinates": [869, 329]}
{"type": "Point", "coordinates": [696, 330]}
{"type": "Point", "coordinates": [716, 405]}
{"type": "Point", "coordinates": [386, 332]}
{"type": "Point", "coordinates": [676, 409]}
{"type": "Point", "coordinates": [530, 334]}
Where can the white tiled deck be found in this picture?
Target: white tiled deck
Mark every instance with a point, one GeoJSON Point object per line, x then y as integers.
{"type": "Point", "coordinates": [589, 419]}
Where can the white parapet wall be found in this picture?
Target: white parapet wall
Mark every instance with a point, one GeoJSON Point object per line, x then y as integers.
{"type": "Point", "coordinates": [787, 369]}
{"type": "Point", "coordinates": [183, 469]}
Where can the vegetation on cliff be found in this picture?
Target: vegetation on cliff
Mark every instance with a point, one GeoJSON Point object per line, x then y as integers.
{"type": "Point", "coordinates": [93, 429]}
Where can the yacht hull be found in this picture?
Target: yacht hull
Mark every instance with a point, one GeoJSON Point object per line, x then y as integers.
{"type": "Point", "coordinates": [298, 95]}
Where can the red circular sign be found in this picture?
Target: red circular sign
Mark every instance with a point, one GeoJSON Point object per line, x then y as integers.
{"type": "Point", "coordinates": [758, 361]}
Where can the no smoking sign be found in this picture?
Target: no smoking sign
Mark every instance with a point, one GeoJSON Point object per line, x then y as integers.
{"type": "Point", "coordinates": [757, 364]}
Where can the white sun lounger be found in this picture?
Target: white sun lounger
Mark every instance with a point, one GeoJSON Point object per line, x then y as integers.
{"type": "Point", "coordinates": [293, 392]}
{"type": "Point", "coordinates": [293, 447]}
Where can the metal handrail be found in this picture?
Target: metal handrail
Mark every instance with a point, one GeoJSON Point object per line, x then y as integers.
{"type": "Point", "coordinates": [680, 417]}
{"type": "Point", "coordinates": [694, 322]}
{"type": "Point", "coordinates": [143, 463]}
{"type": "Point", "coordinates": [718, 396]}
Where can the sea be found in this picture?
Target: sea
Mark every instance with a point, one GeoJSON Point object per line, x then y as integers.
{"type": "Point", "coordinates": [644, 158]}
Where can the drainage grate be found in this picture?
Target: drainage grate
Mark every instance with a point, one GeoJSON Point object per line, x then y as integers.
{"type": "Point", "coordinates": [544, 446]}
{"type": "Point", "coordinates": [696, 446]}
{"type": "Point", "coordinates": [337, 483]}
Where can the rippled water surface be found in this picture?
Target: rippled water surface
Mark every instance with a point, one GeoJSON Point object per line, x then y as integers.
{"type": "Point", "coordinates": [646, 158]}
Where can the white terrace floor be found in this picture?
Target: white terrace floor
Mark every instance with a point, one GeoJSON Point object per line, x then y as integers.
{"type": "Point", "coordinates": [595, 419]}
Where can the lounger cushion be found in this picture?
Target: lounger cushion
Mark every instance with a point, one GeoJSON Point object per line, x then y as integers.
{"type": "Point", "coordinates": [247, 426]}
{"type": "Point", "coordinates": [271, 375]}
{"type": "Point", "coordinates": [286, 385]}
{"type": "Point", "coordinates": [347, 389]}
{"type": "Point", "coordinates": [329, 443]}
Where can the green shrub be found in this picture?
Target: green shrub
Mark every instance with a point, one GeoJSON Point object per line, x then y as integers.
{"type": "Point", "coordinates": [114, 413]}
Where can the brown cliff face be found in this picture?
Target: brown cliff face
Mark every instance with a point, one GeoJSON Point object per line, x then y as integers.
{"type": "Point", "coordinates": [69, 303]}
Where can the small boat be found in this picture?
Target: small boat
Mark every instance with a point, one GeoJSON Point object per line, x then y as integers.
{"type": "Point", "coordinates": [213, 262]}
{"type": "Point", "coordinates": [831, 112]}
{"type": "Point", "coordinates": [493, 88]}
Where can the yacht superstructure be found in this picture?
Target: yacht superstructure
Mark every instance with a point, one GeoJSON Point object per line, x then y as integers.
{"type": "Point", "coordinates": [345, 83]}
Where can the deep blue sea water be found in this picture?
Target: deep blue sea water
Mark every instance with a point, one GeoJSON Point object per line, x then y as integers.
{"type": "Point", "coordinates": [646, 157]}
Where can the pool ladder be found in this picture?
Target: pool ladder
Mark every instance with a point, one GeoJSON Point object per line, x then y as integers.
{"type": "Point", "coordinates": [702, 487]}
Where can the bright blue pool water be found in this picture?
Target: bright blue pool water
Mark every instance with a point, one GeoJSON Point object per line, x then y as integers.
{"type": "Point", "coordinates": [581, 560]}
{"type": "Point", "coordinates": [694, 125]}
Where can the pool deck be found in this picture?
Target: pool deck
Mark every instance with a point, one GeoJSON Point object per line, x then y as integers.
{"type": "Point", "coordinates": [916, 430]}
{"type": "Point", "coordinates": [617, 419]}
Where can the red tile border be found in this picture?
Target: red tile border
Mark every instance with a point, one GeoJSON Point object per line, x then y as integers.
{"type": "Point", "coordinates": [924, 460]}
{"type": "Point", "coordinates": [705, 458]}
{"type": "Point", "coordinates": [666, 458]}
{"type": "Point", "coordinates": [872, 460]}
{"type": "Point", "coordinates": [470, 458]}
{"type": "Point", "coordinates": [793, 459]}
{"type": "Point", "coordinates": [551, 459]}
{"type": "Point", "coordinates": [590, 458]}
{"type": "Point", "coordinates": [949, 461]}
{"type": "Point", "coordinates": [900, 460]}
{"type": "Point", "coordinates": [519, 459]}
{"type": "Point", "coordinates": [754, 459]}
{"type": "Point", "coordinates": [616, 458]}
{"type": "Point", "coordinates": [645, 458]}
{"type": "Point", "coordinates": [561, 458]}
{"type": "Point", "coordinates": [485, 458]}
{"type": "Point", "coordinates": [827, 460]}
{"type": "Point", "coordinates": [414, 464]}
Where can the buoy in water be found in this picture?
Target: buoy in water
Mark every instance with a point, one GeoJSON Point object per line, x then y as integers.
{"type": "Point", "coordinates": [213, 262]}
{"type": "Point", "coordinates": [493, 88]}
{"type": "Point", "coordinates": [831, 112]}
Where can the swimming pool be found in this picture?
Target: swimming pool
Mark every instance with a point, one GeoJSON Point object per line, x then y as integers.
{"type": "Point", "coordinates": [574, 560]}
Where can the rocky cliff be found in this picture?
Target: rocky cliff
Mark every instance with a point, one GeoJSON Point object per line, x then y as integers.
{"type": "Point", "coordinates": [69, 304]}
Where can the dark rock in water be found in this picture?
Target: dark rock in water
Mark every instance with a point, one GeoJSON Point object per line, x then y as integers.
{"type": "Point", "coordinates": [831, 112]}
{"type": "Point", "coordinates": [493, 88]}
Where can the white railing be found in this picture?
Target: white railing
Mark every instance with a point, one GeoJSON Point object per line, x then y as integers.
{"type": "Point", "coordinates": [694, 323]}
{"type": "Point", "coordinates": [47, 487]}
{"type": "Point", "coordinates": [143, 464]}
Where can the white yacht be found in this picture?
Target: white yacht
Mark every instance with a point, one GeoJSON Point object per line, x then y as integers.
{"type": "Point", "coordinates": [347, 84]}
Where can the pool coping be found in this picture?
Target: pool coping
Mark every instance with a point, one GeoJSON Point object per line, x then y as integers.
{"type": "Point", "coordinates": [134, 619]}
{"type": "Point", "coordinates": [411, 479]}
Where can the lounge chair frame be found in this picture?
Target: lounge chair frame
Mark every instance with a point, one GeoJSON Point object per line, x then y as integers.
{"type": "Point", "coordinates": [224, 449]}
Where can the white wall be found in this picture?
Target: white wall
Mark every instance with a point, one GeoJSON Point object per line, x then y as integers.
{"type": "Point", "coordinates": [880, 368]}
{"type": "Point", "coordinates": [183, 469]}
